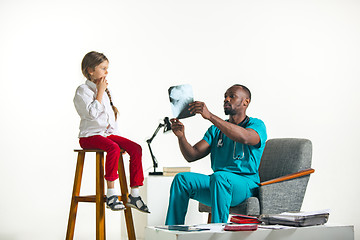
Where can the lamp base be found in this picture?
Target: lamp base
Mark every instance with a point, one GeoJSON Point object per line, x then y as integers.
{"type": "Point", "coordinates": [156, 173]}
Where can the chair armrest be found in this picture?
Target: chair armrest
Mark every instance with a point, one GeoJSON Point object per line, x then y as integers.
{"type": "Point", "coordinates": [288, 177]}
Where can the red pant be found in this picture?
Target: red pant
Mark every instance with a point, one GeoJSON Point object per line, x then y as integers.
{"type": "Point", "coordinates": [112, 145]}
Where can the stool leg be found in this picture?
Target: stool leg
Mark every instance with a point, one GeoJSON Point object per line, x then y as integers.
{"type": "Point", "coordinates": [209, 218]}
{"type": "Point", "coordinates": [124, 193]}
{"type": "Point", "coordinates": [76, 192]}
{"type": "Point", "coordinates": [100, 203]}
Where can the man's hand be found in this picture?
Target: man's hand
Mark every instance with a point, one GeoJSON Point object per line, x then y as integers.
{"type": "Point", "coordinates": [177, 127]}
{"type": "Point", "coordinates": [190, 153]}
{"type": "Point", "coordinates": [199, 107]}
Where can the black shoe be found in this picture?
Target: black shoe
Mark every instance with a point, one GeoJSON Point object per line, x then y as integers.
{"type": "Point", "coordinates": [114, 204]}
{"type": "Point", "coordinates": [137, 203]}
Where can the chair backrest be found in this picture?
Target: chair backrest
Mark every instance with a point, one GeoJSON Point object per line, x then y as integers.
{"type": "Point", "coordinates": [283, 156]}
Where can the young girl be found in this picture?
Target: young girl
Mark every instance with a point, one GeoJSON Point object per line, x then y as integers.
{"type": "Point", "coordinates": [98, 130]}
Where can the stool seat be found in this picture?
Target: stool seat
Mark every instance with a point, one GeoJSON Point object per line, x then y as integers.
{"type": "Point", "coordinates": [89, 150]}
{"type": "Point", "coordinates": [100, 197]}
{"type": "Point", "coordinates": [94, 150]}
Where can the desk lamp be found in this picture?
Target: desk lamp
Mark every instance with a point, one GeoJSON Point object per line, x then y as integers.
{"type": "Point", "coordinates": [167, 127]}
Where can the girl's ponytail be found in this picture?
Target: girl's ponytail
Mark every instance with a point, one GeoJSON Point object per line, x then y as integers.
{"type": "Point", "coordinates": [116, 111]}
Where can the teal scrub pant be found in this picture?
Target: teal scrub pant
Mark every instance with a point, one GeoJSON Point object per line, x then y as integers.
{"type": "Point", "coordinates": [220, 191]}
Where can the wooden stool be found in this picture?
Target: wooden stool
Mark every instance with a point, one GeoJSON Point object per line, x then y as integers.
{"type": "Point", "coordinates": [100, 197]}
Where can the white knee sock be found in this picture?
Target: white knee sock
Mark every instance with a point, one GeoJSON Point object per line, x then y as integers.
{"type": "Point", "coordinates": [110, 192]}
{"type": "Point", "coordinates": [135, 192]}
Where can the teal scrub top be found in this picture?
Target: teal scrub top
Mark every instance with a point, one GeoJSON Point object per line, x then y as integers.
{"type": "Point", "coordinates": [236, 157]}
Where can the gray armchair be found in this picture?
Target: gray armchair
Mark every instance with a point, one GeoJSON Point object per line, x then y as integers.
{"type": "Point", "coordinates": [284, 173]}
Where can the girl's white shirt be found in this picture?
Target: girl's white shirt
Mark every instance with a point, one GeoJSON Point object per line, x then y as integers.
{"type": "Point", "coordinates": [96, 118]}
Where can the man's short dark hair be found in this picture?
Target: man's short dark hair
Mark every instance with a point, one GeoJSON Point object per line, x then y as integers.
{"type": "Point", "coordinates": [247, 91]}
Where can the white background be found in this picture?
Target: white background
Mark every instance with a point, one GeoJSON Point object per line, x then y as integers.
{"type": "Point", "coordinates": [300, 59]}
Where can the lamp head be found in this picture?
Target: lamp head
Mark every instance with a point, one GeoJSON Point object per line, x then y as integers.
{"type": "Point", "coordinates": [167, 123]}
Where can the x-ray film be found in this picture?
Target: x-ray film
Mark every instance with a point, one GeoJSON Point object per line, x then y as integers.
{"type": "Point", "coordinates": [180, 97]}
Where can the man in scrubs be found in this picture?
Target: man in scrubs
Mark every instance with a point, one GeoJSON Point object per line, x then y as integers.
{"type": "Point", "coordinates": [235, 146]}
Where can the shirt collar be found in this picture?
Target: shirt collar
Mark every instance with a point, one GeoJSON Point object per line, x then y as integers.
{"type": "Point", "coordinates": [91, 85]}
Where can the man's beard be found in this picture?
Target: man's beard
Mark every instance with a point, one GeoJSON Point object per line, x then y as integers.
{"type": "Point", "coordinates": [230, 112]}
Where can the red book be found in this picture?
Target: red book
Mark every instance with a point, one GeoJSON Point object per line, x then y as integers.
{"type": "Point", "coordinates": [244, 219]}
{"type": "Point", "coordinates": [246, 227]}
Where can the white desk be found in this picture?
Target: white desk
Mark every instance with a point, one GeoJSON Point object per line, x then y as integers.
{"type": "Point", "coordinates": [155, 194]}
{"type": "Point", "coordinates": [323, 232]}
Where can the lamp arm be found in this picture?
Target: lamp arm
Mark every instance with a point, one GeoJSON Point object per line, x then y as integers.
{"type": "Point", "coordinates": [155, 162]}
{"type": "Point", "coordinates": [155, 133]}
